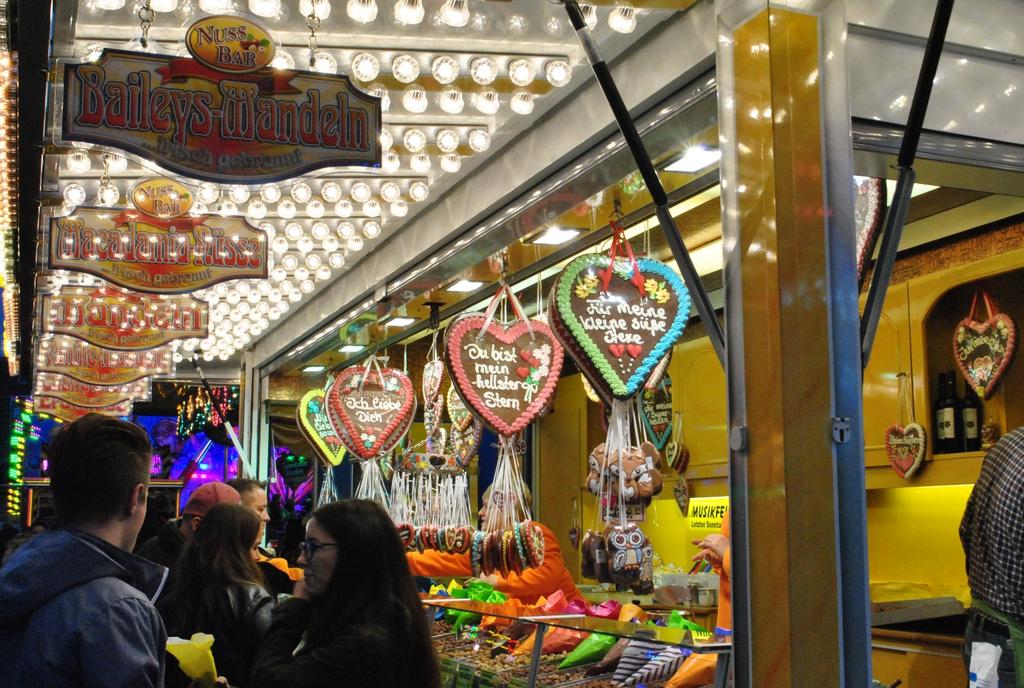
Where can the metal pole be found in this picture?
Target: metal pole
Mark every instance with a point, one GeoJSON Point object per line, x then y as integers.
{"type": "Point", "coordinates": [896, 217]}
{"type": "Point", "coordinates": [227, 424]}
{"type": "Point", "coordinates": [650, 176]}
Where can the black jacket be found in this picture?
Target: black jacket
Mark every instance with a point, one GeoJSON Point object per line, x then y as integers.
{"type": "Point", "coordinates": [165, 547]}
{"type": "Point", "coordinates": [236, 617]}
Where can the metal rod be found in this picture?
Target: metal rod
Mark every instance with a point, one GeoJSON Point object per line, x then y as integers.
{"type": "Point", "coordinates": [650, 176]}
{"type": "Point", "coordinates": [896, 217]}
{"type": "Point", "coordinates": [213, 400]}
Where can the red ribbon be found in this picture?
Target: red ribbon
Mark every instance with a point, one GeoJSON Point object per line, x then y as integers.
{"type": "Point", "coordinates": [620, 245]}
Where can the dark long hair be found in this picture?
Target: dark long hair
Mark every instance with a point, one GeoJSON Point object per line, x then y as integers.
{"type": "Point", "coordinates": [371, 586]}
{"type": "Point", "coordinates": [217, 558]}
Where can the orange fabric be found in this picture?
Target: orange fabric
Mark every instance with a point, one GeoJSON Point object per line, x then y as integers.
{"type": "Point", "coordinates": [697, 670]}
{"type": "Point", "coordinates": [282, 566]}
{"type": "Point", "coordinates": [724, 581]}
{"type": "Point", "coordinates": [528, 586]}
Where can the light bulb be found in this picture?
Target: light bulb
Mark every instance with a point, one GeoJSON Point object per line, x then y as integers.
{"type": "Point", "coordinates": [521, 72]}
{"type": "Point", "coordinates": [322, 8]}
{"type": "Point", "coordinates": [451, 163]}
{"type": "Point", "coordinates": [268, 229]}
{"type": "Point", "coordinates": [414, 140]}
{"type": "Point", "coordinates": [279, 245]}
{"type": "Point", "coordinates": [365, 67]}
{"type": "Point", "coordinates": [306, 286]}
{"type": "Point", "coordinates": [331, 192]}
{"type": "Point", "coordinates": [484, 70]}
{"type": "Point", "coordinates": [371, 208]}
{"type": "Point", "coordinates": [108, 194]}
{"type": "Point", "coordinates": [265, 8]}
{"type": "Point", "coordinates": [78, 162]}
{"type": "Point", "coordinates": [283, 60]}
{"type": "Point", "coordinates": [301, 273]}
{"type": "Point", "coordinates": [74, 194]}
{"type": "Point", "coordinates": [415, 99]}
{"type": "Point", "coordinates": [289, 262]}
{"type": "Point", "coordinates": [522, 103]}
{"type": "Point", "coordinates": [116, 164]}
{"type": "Point", "coordinates": [409, 11]}
{"type": "Point", "coordinates": [324, 62]}
{"type": "Point", "coordinates": [301, 193]}
{"type": "Point", "coordinates": [419, 191]}
{"type": "Point", "coordinates": [293, 230]}
{"type": "Point", "coordinates": [589, 16]}
{"type": "Point", "coordinates": [405, 68]}
{"type": "Point", "coordinates": [92, 52]}
{"type": "Point", "coordinates": [622, 19]}
{"type": "Point", "coordinates": [343, 208]}
{"type": "Point", "coordinates": [455, 13]}
{"type": "Point", "coordinates": [336, 260]}
{"type": "Point", "coordinates": [386, 139]}
{"type": "Point", "coordinates": [390, 191]}
{"type": "Point", "coordinates": [316, 208]}
{"type": "Point", "coordinates": [355, 243]}
{"type": "Point", "coordinates": [447, 140]}
{"type": "Point", "coordinates": [391, 162]}
{"type": "Point", "coordinates": [295, 296]}
{"type": "Point", "coordinates": [215, 5]}
{"type": "Point", "coordinates": [163, 5]}
{"type": "Point", "coordinates": [451, 100]}
{"type": "Point", "coordinates": [517, 23]}
{"type": "Point", "coordinates": [362, 11]}
{"type": "Point", "coordinates": [378, 90]}
{"type": "Point", "coordinates": [330, 243]}
{"type": "Point", "coordinates": [320, 230]}
{"type": "Point", "coordinates": [558, 72]}
{"type": "Point", "coordinates": [371, 230]}
{"type": "Point", "coordinates": [271, 193]}
{"type": "Point", "coordinates": [360, 192]}
{"type": "Point", "coordinates": [286, 209]}
{"type": "Point", "coordinates": [239, 194]}
{"type": "Point", "coordinates": [420, 163]}
{"type": "Point", "coordinates": [305, 243]}
{"type": "Point", "coordinates": [444, 69]}
{"type": "Point", "coordinates": [278, 274]}
{"type": "Point", "coordinates": [323, 273]}
{"type": "Point", "coordinates": [487, 101]}
{"type": "Point", "coordinates": [346, 229]}
{"type": "Point", "coordinates": [479, 140]}
{"type": "Point", "coordinates": [552, 26]}
{"type": "Point", "coordinates": [286, 286]}
{"type": "Point", "coordinates": [109, 4]}
{"type": "Point", "coordinates": [313, 261]}
{"type": "Point", "coordinates": [256, 209]}
{"type": "Point", "coordinates": [228, 208]}
{"type": "Point", "coordinates": [208, 193]}
{"type": "Point", "coordinates": [399, 208]}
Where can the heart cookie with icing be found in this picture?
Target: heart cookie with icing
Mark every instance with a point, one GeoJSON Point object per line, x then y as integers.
{"type": "Point", "coordinates": [656, 412]}
{"type": "Point", "coordinates": [983, 350]}
{"type": "Point", "coordinates": [905, 447]}
{"type": "Point", "coordinates": [618, 325]}
{"type": "Point", "coordinates": [505, 375]}
{"type": "Point", "coordinates": [315, 426]}
{"type": "Point", "coordinates": [371, 415]}
{"type": "Point", "coordinates": [457, 411]}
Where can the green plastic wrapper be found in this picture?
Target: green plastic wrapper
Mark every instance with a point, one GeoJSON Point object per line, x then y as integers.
{"type": "Point", "coordinates": [475, 590]}
{"type": "Point", "coordinates": [677, 620]}
{"type": "Point", "coordinates": [594, 647]}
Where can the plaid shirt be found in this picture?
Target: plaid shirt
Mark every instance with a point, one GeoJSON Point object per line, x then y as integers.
{"type": "Point", "coordinates": [992, 530]}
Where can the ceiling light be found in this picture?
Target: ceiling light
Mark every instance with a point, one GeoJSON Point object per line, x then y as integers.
{"type": "Point", "coordinates": [355, 243]}
{"type": "Point", "coordinates": [378, 90]}
{"type": "Point", "coordinates": [517, 23]}
{"type": "Point", "coordinates": [301, 193]}
{"type": "Point", "coordinates": [314, 369]}
{"type": "Point", "coordinates": [316, 208]}
{"type": "Point", "coordinates": [320, 231]}
{"type": "Point", "coordinates": [409, 11]}
{"type": "Point", "coordinates": [293, 231]}
{"type": "Point", "coordinates": [484, 70]}
{"type": "Point", "coordinates": [622, 19]}
{"type": "Point", "coordinates": [390, 191]}
{"type": "Point", "coordinates": [362, 11]}
{"type": "Point", "coordinates": [399, 321]}
{"type": "Point", "coordinates": [360, 192]}
{"type": "Point", "coordinates": [324, 62]}
{"type": "Point", "coordinates": [455, 13]}
{"type": "Point", "coordinates": [313, 261]}
{"type": "Point", "coordinates": [238, 194]}
{"type": "Point", "coordinates": [415, 99]}
{"type": "Point", "coordinates": [479, 140]}
{"type": "Point", "coordinates": [365, 67]}
{"type": "Point", "coordinates": [465, 286]}
{"type": "Point", "coordinates": [78, 162]}
{"type": "Point", "coordinates": [487, 101]}
{"type": "Point", "coordinates": [391, 162]}
{"type": "Point", "coordinates": [558, 72]}
{"type": "Point", "coordinates": [282, 60]}
{"type": "Point", "coordinates": [399, 208]}
{"type": "Point", "coordinates": [451, 100]}
{"type": "Point", "coordinates": [521, 72]}
{"type": "Point", "coordinates": [330, 243]}
{"type": "Point", "coordinates": [343, 208]}
{"type": "Point", "coordinates": [419, 191]}
{"type": "Point", "coordinates": [371, 208]}
{"type": "Point", "coordinates": [74, 194]}
{"type": "Point", "coordinates": [420, 163]}
{"type": "Point", "coordinates": [405, 68]}
{"type": "Point", "coordinates": [109, 4]}
{"type": "Point", "coordinates": [386, 139]}
{"type": "Point", "coordinates": [305, 244]}
{"type": "Point", "coordinates": [271, 193]}
{"type": "Point", "coordinates": [306, 286]}
{"type": "Point", "coordinates": [553, 236]}
{"type": "Point", "coordinates": [208, 193]}
{"type": "Point", "coordinates": [444, 69]}
{"type": "Point", "coordinates": [589, 16]}
{"type": "Point", "coordinates": [322, 273]}
{"type": "Point", "coordinates": [163, 5]}
{"type": "Point", "coordinates": [256, 209]}
{"type": "Point", "coordinates": [451, 163]}
{"type": "Point", "coordinates": [346, 229]}
{"type": "Point", "coordinates": [522, 103]}
{"type": "Point", "coordinates": [447, 140]}
{"type": "Point", "coordinates": [107, 195]}
{"type": "Point", "coordinates": [331, 192]}
{"type": "Point", "coordinates": [694, 159]}
{"type": "Point", "coordinates": [351, 349]}
{"type": "Point", "coordinates": [289, 262]}
{"type": "Point", "coordinates": [336, 260]}
{"type": "Point", "coordinates": [414, 140]}
{"type": "Point", "coordinates": [552, 27]}
{"type": "Point", "coordinates": [322, 8]}
{"type": "Point", "coordinates": [286, 209]}
{"type": "Point", "coordinates": [265, 8]}
{"type": "Point", "coordinates": [371, 230]}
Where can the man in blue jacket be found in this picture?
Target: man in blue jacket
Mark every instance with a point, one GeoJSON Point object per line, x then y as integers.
{"type": "Point", "coordinates": [75, 605]}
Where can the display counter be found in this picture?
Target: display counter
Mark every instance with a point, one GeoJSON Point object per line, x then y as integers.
{"type": "Point", "coordinates": [484, 646]}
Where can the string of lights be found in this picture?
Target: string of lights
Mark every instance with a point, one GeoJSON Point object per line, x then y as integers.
{"type": "Point", "coordinates": [196, 410]}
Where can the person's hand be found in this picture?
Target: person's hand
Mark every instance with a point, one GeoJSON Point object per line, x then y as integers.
{"type": "Point", "coordinates": [712, 548]}
{"type": "Point", "coordinates": [301, 591]}
{"type": "Point", "coordinates": [489, 578]}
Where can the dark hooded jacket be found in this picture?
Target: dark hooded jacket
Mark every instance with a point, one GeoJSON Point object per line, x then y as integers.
{"type": "Point", "coordinates": [166, 546]}
{"type": "Point", "coordinates": [77, 611]}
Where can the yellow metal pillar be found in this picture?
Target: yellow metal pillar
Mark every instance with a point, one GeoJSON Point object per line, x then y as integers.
{"type": "Point", "coordinates": [793, 361]}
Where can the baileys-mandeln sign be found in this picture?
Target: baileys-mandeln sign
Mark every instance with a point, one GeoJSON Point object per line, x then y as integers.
{"type": "Point", "coordinates": [226, 115]}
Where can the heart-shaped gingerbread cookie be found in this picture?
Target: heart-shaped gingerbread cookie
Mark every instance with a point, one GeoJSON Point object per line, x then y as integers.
{"type": "Point", "coordinates": [983, 350]}
{"type": "Point", "coordinates": [315, 426]}
{"type": "Point", "coordinates": [905, 447]}
{"type": "Point", "coordinates": [656, 412]}
{"type": "Point", "coordinates": [371, 411]}
{"type": "Point", "coordinates": [505, 375]}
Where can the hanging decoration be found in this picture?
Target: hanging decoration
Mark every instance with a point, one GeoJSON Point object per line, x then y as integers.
{"type": "Point", "coordinates": [906, 443]}
{"type": "Point", "coordinates": [676, 453]}
{"type": "Point", "coordinates": [466, 430]}
{"type": "Point", "coordinates": [433, 399]}
{"type": "Point", "coordinates": [681, 493]}
{"type": "Point", "coordinates": [656, 412]}
{"type": "Point", "coordinates": [315, 426]}
{"type": "Point", "coordinates": [868, 215]}
{"type": "Point", "coordinates": [983, 349]}
{"type": "Point", "coordinates": [196, 409]}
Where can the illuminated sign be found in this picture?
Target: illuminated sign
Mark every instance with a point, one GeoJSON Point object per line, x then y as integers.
{"type": "Point", "coordinates": [148, 254]}
{"type": "Point", "coordinates": [163, 198]}
{"type": "Point", "coordinates": [97, 366]}
{"type": "Point", "coordinates": [88, 396]}
{"type": "Point", "coordinates": [65, 411]}
{"type": "Point", "coordinates": [230, 44]}
{"type": "Point", "coordinates": [118, 319]}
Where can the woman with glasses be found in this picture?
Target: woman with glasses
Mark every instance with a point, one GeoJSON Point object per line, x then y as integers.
{"type": "Point", "coordinates": [355, 619]}
{"type": "Point", "coordinates": [218, 589]}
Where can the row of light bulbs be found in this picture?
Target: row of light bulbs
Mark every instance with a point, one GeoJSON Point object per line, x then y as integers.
{"type": "Point", "coordinates": [453, 13]}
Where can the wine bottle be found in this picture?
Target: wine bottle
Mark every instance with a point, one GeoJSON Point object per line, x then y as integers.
{"type": "Point", "coordinates": [955, 438]}
{"type": "Point", "coordinates": [970, 415]}
{"type": "Point", "coordinates": [939, 443]}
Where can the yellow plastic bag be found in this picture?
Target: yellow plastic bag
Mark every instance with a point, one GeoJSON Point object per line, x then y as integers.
{"type": "Point", "coordinates": [195, 658]}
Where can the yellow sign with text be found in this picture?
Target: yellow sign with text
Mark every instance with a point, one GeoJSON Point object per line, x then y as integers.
{"type": "Point", "coordinates": [707, 513]}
